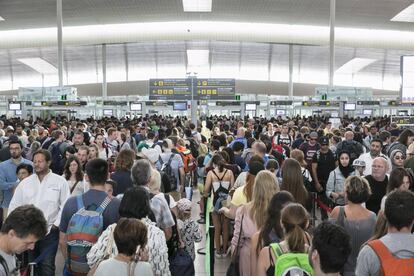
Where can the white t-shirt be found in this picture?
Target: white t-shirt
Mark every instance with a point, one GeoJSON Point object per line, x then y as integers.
{"type": "Point", "coordinates": [113, 267]}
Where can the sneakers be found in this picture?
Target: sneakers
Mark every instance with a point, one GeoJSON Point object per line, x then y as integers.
{"type": "Point", "coordinates": [201, 221]}
{"type": "Point", "coordinates": [218, 253]}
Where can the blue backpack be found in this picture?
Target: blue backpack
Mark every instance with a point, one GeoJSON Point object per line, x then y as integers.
{"type": "Point", "coordinates": [84, 229]}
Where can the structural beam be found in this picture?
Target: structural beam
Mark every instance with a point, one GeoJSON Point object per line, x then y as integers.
{"type": "Point", "coordinates": [60, 40]}
{"type": "Point", "coordinates": [332, 44]}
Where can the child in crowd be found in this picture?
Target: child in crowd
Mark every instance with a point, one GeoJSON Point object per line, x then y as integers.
{"type": "Point", "coordinates": [23, 171]}
{"type": "Point", "coordinates": [110, 186]}
{"type": "Point", "coordinates": [189, 229]}
{"type": "Point", "coordinates": [359, 166]}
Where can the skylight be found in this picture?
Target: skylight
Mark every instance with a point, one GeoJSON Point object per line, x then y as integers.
{"type": "Point", "coordinates": [406, 15]}
{"type": "Point", "coordinates": [197, 57]}
{"type": "Point", "coordinates": [39, 65]}
{"type": "Point", "coordinates": [355, 65]}
{"type": "Point", "coordinates": [197, 5]}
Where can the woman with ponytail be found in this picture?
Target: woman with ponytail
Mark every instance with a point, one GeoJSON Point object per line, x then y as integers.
{"type": "Point", "coordinates": [295, 221]}
{"type": "Point", "coordinates": [219, 180]}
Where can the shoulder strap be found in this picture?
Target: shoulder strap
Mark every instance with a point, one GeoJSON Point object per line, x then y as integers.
{"type": "Point", "coordinates": [381, 250]}
{"type": "Point", "coordinates": [167, 198]}
{"type": "Point", "coordinates": [341, 216]}
{"type": "Point", "coordinates": [3, 263]}
{"type": "Point", "coordinates": [236, 252]}
{"type": "Point", "coordinates": [170, 159]}
{"type": "Point", "coordinates": [334, 179]}
{"type": "Point", "coordinates": [79, 202]}
{"type": "Point", "coordinates": [277, 249]}
{"type": "Point", "coordinates": [103, 205]}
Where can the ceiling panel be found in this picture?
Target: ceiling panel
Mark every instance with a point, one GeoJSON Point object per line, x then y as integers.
{"type": "Point", "coordinates": [351, 13]}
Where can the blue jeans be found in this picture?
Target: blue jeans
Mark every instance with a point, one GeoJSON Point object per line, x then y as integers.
{"type": "Point", "coordinates": [46, 266]}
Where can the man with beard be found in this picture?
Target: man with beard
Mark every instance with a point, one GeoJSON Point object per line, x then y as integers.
{"type": "Point", "coordinates": [48, 192]}
{"type": "Point", "coordinates": [375, 151]}
{"type": "Point", "coordinates": [8, 177]}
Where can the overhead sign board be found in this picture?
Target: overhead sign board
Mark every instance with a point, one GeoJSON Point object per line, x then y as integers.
{"type": "Point", "coordinates": [403, 120]}
{"type": "Point", "coordinates": [320, 103]}
{"type": "Point", "coordinates": [170, 89]}
{"type": "Point", "coordinates": [182, 89]}
{"type": "Point", "coordinates": [368, 102]}
{"type": "Point", "coordinates": [64, 103]}
{"type": "Point", "coordinates": [281, 102]}
{"type": "Point", "coordinates": [118, 103]}
{"type": "Point", "coordinates": [216, 89]}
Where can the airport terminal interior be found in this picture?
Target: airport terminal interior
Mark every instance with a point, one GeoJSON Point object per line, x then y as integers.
{"type": "Point", "coordinates": [206, 137]}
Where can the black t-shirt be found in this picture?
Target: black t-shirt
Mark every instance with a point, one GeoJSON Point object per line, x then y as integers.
{"type": "Point", "coordinates": [326, 164]}
{"type": "Point", "coordinates": [378, 190]}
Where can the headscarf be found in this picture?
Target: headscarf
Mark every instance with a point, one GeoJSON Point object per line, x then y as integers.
{"type": "Point", "coordinates": [346, 171]}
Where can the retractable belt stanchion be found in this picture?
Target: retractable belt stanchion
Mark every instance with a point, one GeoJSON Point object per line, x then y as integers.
{"type": "Point", "coordinates": [209, 260]}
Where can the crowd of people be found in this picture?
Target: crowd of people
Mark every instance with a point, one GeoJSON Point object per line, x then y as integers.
{"type": "Point", "coordinates": [115, 196]}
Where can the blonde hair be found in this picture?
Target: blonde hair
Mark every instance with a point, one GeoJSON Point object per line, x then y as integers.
{"type": "Point", "coordinates": [155, 181]}
{"type": "Point", "coordinates": [298, 156]}
{"type": "Point", "coordinates": [265, 186]}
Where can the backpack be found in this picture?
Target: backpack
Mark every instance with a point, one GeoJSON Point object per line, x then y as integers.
{"type": "Point", "coordinates": [84, 229]}
{"type": "Point", "coordinates": [57, 158]}
{"type": "Point", "coordinates": [190, 164]}
{"type": "Point", "coordinates": [193, 147]}
{"type": "Point", "coordinates": [168, 180]}
{"type": "Point", "coordinates": [291, 263]}
{"type": "Point", "coordinates": [391, 265]}
{"type": "Point", "coordinates": [310, 187]}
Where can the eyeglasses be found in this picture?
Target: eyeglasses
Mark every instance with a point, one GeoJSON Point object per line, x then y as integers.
{"type": "Point", "coordinates": [400, 157]}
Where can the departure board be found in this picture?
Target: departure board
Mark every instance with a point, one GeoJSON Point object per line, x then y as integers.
{"type": "Point", "coordinates": [403, 120]}
{"type": "Point", "coordinates": [320, 103]}
{"type": "Point", "coordinates": [281, 102]}
{"type": "Point", "coordinates": [64, 103]}
{"type": "Point", "coordinates": [368, 102]}
{"type": "Point", "coordinates": [170, 89]}
{"type": "Point", "coordinates": [215, 89]}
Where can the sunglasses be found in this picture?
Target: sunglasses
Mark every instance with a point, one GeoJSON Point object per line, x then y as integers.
{"type": "Point", "coordinates": [400, 157]}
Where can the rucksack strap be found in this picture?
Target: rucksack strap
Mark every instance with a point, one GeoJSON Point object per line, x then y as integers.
{"type": "Point", "coordinates": [276, 249]}
{"type": "Point", "coordinates": [103, 205]}
{"type": "Point", "coordinates": [222, 177]}
{"type": "Point", "coordinates": [381, 250]}
{"type": "Point", "coordinates": [170, 159]}
{"type": "Point", "coordinates": [79, 202]}
{"type": "Point", "coordinates": [3, 263]}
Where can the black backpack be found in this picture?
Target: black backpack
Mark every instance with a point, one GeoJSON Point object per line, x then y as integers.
{"type": "Point", "coordinates": [57, 158]}
{"type": "Point", "coordinates": [193, 147]}
{"type": "Point", "coordinates": [168, 180]}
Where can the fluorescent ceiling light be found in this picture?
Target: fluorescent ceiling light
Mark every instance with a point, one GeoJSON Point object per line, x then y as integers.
{"type": "Point", "coordinates": [197, 5]}
{"type": "Point", "coordinates": [355, 65]}
{"type": "Point", "coordinates": [406, 15]}
{"type": "Point", "coordinates": [2, 19]}
{"type": "Point", "coordinates": [39, 65]}
{"type": "Point", "coordinates": [197, 57]}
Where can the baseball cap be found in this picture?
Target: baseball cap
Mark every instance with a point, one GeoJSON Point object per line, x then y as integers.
{"type": "Point", "coordinates": [324, 140]}
{"type": "Point", "coordinates": [151, 154]}
{"type": "Point", "coordinates": [313, 134]}
{"type": "Point", "coordinates": [358, 163]}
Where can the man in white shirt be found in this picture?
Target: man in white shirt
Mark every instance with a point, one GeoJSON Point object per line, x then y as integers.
{"type": "Point", "coordinates": [48, 192]}
{"type": "Point", "coordinates": [375, 151]}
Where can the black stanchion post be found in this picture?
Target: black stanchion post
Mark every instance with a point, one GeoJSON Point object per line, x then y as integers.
{"type": "Point", "coordinates": [211, 234]}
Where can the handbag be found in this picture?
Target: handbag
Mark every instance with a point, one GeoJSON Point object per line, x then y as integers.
{"type": "Point", "coordinates": [181, 264]}
{"type": "Point", "coordinates": [234, 267]}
